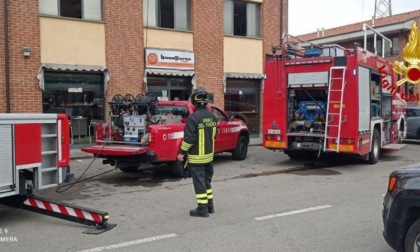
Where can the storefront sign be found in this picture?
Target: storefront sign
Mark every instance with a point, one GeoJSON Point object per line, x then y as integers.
{"type": "Point", "coordinates": [75, 90]}
{"type": "Point", "coordinates": [169, 59]}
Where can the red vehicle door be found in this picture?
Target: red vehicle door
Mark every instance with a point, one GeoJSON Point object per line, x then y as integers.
{"type": "Point", "coordinates": [224, 139]}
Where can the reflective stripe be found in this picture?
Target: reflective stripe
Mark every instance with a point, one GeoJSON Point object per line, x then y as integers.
{"type": "Point", "coordinates": [185, 146]}
{"type": "Point", "coordinates": [199, 160]}
{"type": "Point", "coordinates": [214, 136]}
{"type": "Point", "coordinates": [203, 195]}
{"type": "Point", "coordinates": [202, 201]}
{"type": "Point", "coordinates": [201, 142]}
{"type": "Point", "coordinates": [209, 193]}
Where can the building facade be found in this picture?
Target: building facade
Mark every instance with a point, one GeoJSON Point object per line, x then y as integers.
{"type": "Point", "coordinates": [75, 56]}
{"type": "Point", "coordinates": [396, 28]}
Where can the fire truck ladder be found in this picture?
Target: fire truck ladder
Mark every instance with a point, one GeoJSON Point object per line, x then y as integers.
{"type": "Point", "coordinates": [336, 90]}
{"type": "Point", "coordinates": [82, 215]}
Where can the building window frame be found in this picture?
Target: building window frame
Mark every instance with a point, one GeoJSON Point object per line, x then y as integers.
{"type": "Point", "coordinates": [241, 18]}
{"type": "Point", "coordinates": [167, 14]}
{"type": "Point", "coordinates": [88, 9]}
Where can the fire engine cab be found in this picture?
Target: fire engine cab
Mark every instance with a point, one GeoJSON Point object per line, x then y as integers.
{"type": "Point", "coordinates": [328, 98]}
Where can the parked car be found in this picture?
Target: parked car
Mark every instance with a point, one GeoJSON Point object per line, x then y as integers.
{"type": "Point", "coordinates": [401, 209]}
{"type": "Point", "coordinates": [413, 122]}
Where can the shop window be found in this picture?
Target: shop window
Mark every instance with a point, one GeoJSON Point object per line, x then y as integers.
{"type": "Point", "coordinates": [81, 9]}
{"type": "Point", "coordinates": [78, 95]}
{"type": "Point", "coordinates": [241, 18]}
{"type": "Point", "coordinates": [242, 99]}
{"type": "Point", "coordinates": [171, 14]}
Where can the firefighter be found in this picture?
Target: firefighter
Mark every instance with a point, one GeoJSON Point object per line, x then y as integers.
{"type": "Point", "coordinates": [199, 134]}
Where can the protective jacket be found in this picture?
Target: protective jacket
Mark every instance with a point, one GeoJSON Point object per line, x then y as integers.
{"type": "Point", "coordinates": [199, 134]}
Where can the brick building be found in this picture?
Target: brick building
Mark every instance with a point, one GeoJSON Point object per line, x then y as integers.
{"type": "Point", "coordinates": [73, 56]}
{"type": "Point", "coordinates": [395, 27]}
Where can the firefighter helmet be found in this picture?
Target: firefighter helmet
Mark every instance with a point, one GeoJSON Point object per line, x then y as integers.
{"type": "Point", "coordinates": [199, 97]}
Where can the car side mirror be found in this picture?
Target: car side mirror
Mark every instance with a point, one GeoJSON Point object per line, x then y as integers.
{"type": "Point", "coordinates": [231, 117]}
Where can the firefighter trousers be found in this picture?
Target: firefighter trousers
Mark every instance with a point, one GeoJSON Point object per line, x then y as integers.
{"type": "Point", "coordinates": [202, 176]}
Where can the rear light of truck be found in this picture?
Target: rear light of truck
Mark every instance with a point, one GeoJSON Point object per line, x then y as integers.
{"type": "Point", "coordinates": [273, 137]}
{"type": "Point", "coordinates": [392, 183]}
{"type": "Point", "coordinates": [151, 137]}
{"type": "Point", "coordinates": [346, 141]}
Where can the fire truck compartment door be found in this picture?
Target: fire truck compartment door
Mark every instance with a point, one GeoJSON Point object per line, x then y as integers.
{"type": "Point", "coordinates": [115, 150]}
{"type": "Point", "coordinates": [6, 160]}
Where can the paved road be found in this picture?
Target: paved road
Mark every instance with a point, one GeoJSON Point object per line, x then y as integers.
{"type": "Point", "coordinates": [265, 203]}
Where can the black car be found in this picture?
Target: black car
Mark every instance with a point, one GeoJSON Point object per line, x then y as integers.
{"type": "Point", "coordinates": [413, 122]}
{"type": "Point", "coordinates": [401, 212]}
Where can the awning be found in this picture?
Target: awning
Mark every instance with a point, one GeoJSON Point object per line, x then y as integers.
{"type": "Point", "coordinates": [70, 67]}
{"type": "Point", "coordinates": [244, 76]}
{"type": "Point", "coordinates": [169, 72]}
{"type": "Point", "coordinates": [241, 76]}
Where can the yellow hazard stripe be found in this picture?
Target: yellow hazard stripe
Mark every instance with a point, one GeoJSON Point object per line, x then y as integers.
{"type": "Point", "coordinates": [342, 147]}
{"type": "Point", "coordinates": [202, 201]}
{"type": "Point", "coordinates": [275, 144]}
{"type": "Point", "coordinates": [209, 191]}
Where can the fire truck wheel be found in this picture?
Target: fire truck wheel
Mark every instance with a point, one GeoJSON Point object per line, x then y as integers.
{"type": "Point", "coordinates": [128, 168]}
{"type": "Point", "coordinates": [241, 149]}
{"type": "Point", "coordinates": [374, 152]}
{"type": "Point", "coordinates": [177, 169]}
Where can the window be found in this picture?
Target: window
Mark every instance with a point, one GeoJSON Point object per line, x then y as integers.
{"type": "Point", "coordinates": [241, 18]}
{"type": "Point", "coordinates": [76, 94]}
{"type": "Point", "coordinates": [81, 9]}
{"type": "Point", "coordinates": [172, 14]}
{"type": "Point", "coordinates": [413, 112]}
{"type": "Point", "coordinates": [388, 50]}
{"type": "Point", "coordinates": [219, 115]}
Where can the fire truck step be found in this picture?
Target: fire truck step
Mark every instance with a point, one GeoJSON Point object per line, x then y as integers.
{"type": "Point", "coordinates": [69, 212]}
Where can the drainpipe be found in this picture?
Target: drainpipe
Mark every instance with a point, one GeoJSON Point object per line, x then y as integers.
{"type": "Point", "coordinates": [281, 22]}
{"type": "Point", "coordinates": [6, 55]}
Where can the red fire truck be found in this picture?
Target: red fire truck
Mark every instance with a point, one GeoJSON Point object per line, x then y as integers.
{"type": "Point", "coordinates": [35, 155]}
{"type": "Point", "coordinates": [320, 99]}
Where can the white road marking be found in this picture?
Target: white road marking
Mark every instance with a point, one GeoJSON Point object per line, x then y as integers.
{"type": "Point", "coordinates": [292, 212]}
{"type": "Point", "coordinates": [130, 243]}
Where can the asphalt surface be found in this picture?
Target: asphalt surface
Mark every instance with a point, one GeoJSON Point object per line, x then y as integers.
{"type": "Point", "coordinates": [265, 203]}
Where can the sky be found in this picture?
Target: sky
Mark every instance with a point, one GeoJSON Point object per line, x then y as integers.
{"type": "Point", "coordinates": [306, 16]}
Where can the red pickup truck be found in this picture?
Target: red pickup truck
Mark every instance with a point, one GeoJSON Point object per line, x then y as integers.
{"type": "Point", "coordinates": [139, 140]}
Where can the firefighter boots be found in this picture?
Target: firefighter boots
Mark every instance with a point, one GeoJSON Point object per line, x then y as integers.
{"type": "Point", "coordinates": [211, 206]}
{"type": "Point", "coordinates": [201, 211]}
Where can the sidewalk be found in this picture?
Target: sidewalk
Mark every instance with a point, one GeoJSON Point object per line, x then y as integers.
{"type": "Point", "coordinates": [76, 153]}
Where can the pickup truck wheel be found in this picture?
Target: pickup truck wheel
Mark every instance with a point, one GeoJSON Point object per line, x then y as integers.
{"type": "Point", "coordinates": [374, 152]}
{"type": "Point", "coordinates": [129, 168]}
{"type": "Point", "coordinates": [177, 169]}
{"type": "Point", "coordinates": [241, 149]}
{"type": "Point", "coordinates": [412, 239]}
